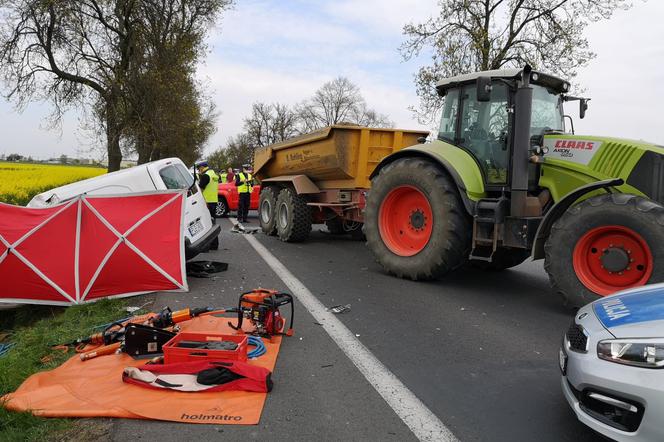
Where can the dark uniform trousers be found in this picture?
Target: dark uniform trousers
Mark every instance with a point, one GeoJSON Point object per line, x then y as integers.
{"type": "Point", "coordinates": [243, 206]}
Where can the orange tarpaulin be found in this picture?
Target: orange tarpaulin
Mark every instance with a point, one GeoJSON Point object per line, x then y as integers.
{"type": "Point", "coordinates": [95, 389]}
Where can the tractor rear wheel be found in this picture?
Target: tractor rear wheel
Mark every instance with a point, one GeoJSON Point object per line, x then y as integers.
{"type": "Point", "coordinates": [605, 244]}
{"type": "Point", "coordinates": [266, 210]}
{"type": "Point", "coordinates": [415, 223]}
{"type": "Point", "coordinates": [293, 216]}
{"type": "Point", "coordinates": [503, 259]}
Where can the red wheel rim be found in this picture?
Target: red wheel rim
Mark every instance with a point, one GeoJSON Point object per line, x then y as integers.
{"type": "Point", "coordinates": [405, 221]}
{"type": "Point", "coordinates": [611, 258]}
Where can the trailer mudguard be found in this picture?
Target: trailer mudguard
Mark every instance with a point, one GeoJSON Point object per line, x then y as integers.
{"type": "Point", "coordinates": [463, 169]}
{"type": "Point", "coordinates": [561, 206]}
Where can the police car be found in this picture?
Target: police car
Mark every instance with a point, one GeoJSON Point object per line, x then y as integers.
{"type": "Point", "coordinates": [612, 362]}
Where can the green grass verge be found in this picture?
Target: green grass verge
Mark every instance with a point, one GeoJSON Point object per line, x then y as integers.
{"type": "Point", "coordinates": [34, 330]}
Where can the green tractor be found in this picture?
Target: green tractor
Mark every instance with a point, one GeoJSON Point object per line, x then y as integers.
{"type": "Point", "coordinates": [505, 181]}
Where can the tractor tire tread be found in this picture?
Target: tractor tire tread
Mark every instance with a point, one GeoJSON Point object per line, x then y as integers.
{"type": "Point", "coordinates": [566, 284]}
{"type": "Point", "coordinates": [449, 255]}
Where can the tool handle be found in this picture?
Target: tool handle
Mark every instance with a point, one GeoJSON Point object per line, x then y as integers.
{"type": "Point", "coordinates": [101, 351]}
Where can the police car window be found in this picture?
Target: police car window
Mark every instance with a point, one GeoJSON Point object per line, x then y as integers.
{"type": "Point", "coordinates": [172, 178]}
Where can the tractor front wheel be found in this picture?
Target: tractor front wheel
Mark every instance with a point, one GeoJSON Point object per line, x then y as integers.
{"type": "Point", "coordinates": [415, 223]}
{"type": "Point", "coordinates": [605, 244]}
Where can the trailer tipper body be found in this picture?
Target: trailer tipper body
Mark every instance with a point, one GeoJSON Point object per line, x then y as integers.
{"type": "Point", "coordinates": [322, 176]}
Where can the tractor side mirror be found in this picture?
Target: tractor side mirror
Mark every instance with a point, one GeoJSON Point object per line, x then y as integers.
{"type": "Point", "coordinates": [583, 107]}
{"type": "Point", "coordinates": [484, 89]}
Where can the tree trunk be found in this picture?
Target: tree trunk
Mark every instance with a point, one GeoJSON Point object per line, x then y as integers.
{"type": "Point", "coordinates": [144, 152]}
{"type": "Point", "coordinates": [112, 138]}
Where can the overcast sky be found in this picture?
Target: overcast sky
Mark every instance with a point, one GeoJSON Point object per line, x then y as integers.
{"type": "Point", "coordinates": [282, 51]}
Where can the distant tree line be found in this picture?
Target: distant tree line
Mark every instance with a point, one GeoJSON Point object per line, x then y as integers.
{"type": "Point", "coordinates": [129, 65]}
{"type": "Point", "coordinates": [336, 102]}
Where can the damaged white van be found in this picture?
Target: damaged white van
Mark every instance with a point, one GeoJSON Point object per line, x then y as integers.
{"type": "Point", "coordinates": [171, 173]}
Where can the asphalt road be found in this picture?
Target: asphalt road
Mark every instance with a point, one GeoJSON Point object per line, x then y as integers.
{"type": "Point", "coordinates": [479, 349]}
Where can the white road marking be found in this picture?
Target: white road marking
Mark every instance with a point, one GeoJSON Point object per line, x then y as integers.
{"type": "Point", "coordinates": [422, 422]}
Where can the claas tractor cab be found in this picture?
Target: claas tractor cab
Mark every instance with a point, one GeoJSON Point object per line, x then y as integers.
{"type": "Point", "coordinates": [504, 181]}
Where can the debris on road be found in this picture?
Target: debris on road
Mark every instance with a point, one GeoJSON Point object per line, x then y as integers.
{"type": "Point", "coordinates": [205, 269]}
{"type": "Point", "coordinates": [239, 228]}
{"type": "Point", "coordinates": [337, 309]}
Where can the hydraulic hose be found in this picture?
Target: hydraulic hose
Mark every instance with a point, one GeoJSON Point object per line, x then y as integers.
{"type": "Point", "coordinates": [260, 347]}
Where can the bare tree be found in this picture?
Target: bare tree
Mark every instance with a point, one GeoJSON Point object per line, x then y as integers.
{"type": "Point", "coordinates": [338, 101]}
{"type": "Point", "coordinates": [474, 35]}
{"type": "Point", "coordinates": [88, 52]}
{"type": "Point", "coordinates": [237, 152]}
{"type": "Point", "coordinates": [270, 123]}
{"type": "Point", "coordinates": [71, 52]}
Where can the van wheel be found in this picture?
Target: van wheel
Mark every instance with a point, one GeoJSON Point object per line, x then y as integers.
{"type": "Point", "coordinates": [221, 210]}
{"type": "Point", "coordinates": [293, 216]}
{"type": "Point", "coordinates": [266, 210]}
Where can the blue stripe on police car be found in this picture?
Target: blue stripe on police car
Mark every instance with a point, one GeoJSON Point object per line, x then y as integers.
{"type": "Point", "coordinates": [645, 304]}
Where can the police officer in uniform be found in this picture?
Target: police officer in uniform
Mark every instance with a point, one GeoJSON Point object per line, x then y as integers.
{"type": "Point", "coordinates": [244, 182]}
{"type": "Point", "coordinates": [208, 181]}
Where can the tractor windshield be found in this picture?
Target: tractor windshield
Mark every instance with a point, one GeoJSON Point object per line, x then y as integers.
{"type": "Point", "coordinates": [547, 111]}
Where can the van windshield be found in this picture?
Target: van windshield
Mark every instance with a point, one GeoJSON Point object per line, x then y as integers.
{"type": "Point", "coordinates": [174, 178]}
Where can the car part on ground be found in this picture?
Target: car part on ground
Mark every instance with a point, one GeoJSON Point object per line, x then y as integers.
{"type": "Point", "coordinates": [205, 269]}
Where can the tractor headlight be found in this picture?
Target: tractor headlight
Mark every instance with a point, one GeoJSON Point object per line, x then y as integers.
{"type": "Point", "coordinates": [647, 353]}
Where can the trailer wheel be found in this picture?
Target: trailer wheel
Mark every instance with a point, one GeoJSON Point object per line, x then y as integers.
{"type": "Point", "coordinates": [415, 223]}
{"type": "Point", "coordinates": [293, 216]}
{"type": "Point", "coordinates": [266, 210]}
{"type": "Point", "coordinates": [503, 259]}
{"type": "Point", "coordinates": [605, 244]}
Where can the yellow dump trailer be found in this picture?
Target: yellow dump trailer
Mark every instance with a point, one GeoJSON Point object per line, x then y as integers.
{"type": "Point", "coordinates": [322, 176]}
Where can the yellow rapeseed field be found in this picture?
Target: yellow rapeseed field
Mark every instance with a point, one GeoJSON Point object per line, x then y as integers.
{"type": "Point", "coordinates": [19, 182]}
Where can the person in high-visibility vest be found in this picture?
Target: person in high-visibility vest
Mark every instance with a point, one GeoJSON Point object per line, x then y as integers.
{"type": "Point", "coordinates": [223, 177]}
{"type": "Point", "coordinates": [208, 181]}
{"type": "Point", "coordinates": [245, 183]}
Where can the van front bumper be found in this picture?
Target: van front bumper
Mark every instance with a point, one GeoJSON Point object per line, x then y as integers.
{"type": "Point", "coordinates": [203, 244]}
